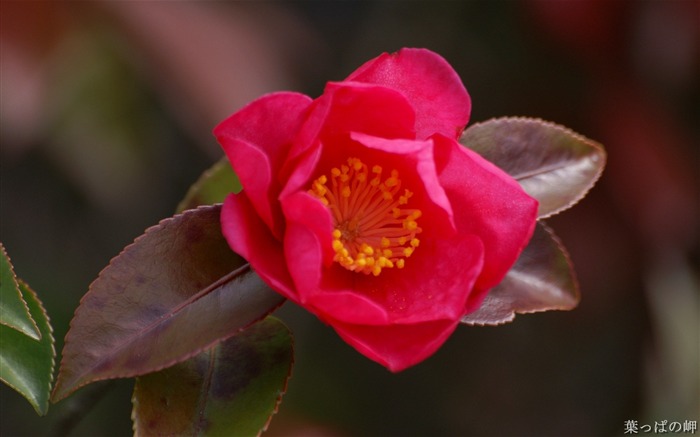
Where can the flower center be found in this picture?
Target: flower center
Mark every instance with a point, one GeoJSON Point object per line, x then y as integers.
{"type": "Point", "coordinates": [373, 228]}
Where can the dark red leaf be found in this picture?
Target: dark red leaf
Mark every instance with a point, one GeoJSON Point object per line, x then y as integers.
{"type": "Point", "coordinates": [177, 290]}
{"type": "Point", "coordinates": [542, 279]}
{"type": "Point", "coordinates": [553, 164]}
{"type": "Point", "coordinates": [231, 389]}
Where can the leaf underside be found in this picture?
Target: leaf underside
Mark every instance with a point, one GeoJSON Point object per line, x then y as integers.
{"type": "Point", "coordinates": [553, 164]}
{"type": "Point", "coordinates": [231, 389]}
{"type": "Point", "coordinates": [27, 364]}
{"type": "Point", "coordinates": [14, 312]}
{"type": "Point", "coordinates": [542, 279]}
{"type": "Point", "coordinates": [177, 290]}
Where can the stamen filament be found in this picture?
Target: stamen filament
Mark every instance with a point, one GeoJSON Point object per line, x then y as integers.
{"type": "Point", "coordinates": [373, 230]}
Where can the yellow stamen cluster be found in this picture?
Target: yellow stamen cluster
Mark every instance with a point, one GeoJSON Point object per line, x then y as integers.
{"type": "Point", "coordinates": [374, 229]}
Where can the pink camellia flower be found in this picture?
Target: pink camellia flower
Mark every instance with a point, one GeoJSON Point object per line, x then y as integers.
{"type": "Point", "coordinates": [362, 207]}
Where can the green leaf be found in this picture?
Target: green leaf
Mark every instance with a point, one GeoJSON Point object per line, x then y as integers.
{"type": "Point", "coordinates": [13, 310]}
{"type": "Point", "coordinates": [27, 364]}
{"type": "Point", "coordinates": [542, 279]}
{"type": "Point", "coordinates": [553, 164]}
{"type": "Point", "coordinates": [177, 290]}
{"type": "Point", "coordinates": [212, 186]}
{"type": "Point", "coordinates": [230, 390]}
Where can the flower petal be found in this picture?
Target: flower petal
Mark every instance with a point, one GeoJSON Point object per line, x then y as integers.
{"type": "Point", "coordinates": [309, 255]}
{"type": "Point", "coordinates": [343, 108]}
{"type": "Point", "coordinates": [256, 140]}
{"type": "Point", "coordinates": [487, 203]}
{"type": "Point", "coordinates": [419, 161]}
{"type": "Point", "coordinates": [367, 108]}
{"type": "Point", "coordinates": [434, 285]}
{"type": "Point", "coordinates": [248, 236]}
{"type": "Point", "coordinates": [434, 89]}
{"type": "Point", "coordinates": [396, 347]}
{"type": "Point", "coordinates": [303, 209]}
{"type": "Point", "coordinates": [425, 307]}
{"type": "Point", "coordinates": [437, 281]}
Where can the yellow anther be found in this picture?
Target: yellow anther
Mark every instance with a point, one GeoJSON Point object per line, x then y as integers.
{"type": "Point", "coordinates": [411, 225]}
{"type": "Point", "coordinates": [372, 230]}
{"type": "Point", "coordinates": [393, 180]}
{"type": "Point", "coordinates": [320, 189]}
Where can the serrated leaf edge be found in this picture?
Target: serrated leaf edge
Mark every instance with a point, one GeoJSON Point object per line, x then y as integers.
{"type": "Point", "coordinates": [15, 282]}
{"type": "Point", "coordinates": [283, 390]}
{"type": "Point", "coordinates": [54, 399]}
{"type": "Point", "coordinates": [582, 138]}
{"type": "Point", "coordinates": [52, 342]}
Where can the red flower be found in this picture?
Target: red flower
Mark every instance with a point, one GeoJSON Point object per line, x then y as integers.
{"type": "Point", "coordinates": [362, 207]}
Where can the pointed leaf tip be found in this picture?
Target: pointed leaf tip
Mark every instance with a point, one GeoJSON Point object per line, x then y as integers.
{"type": "Point", "coordinates": [14, 311]}
{"type": "Point", "coordinates": [27, 364]}
{"type": "Point", "coordinates": [177, 290]}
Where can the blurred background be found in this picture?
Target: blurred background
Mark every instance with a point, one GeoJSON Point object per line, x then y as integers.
{"type": "Point", "coordinates": [106, 114]}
